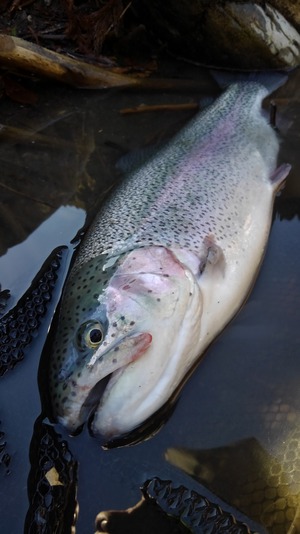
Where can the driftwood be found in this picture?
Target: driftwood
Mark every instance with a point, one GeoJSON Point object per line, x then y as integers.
{"type": "Point", "coordinates": [18, 54]}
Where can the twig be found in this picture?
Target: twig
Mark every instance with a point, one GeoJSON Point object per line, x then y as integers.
{"type": "Point", "coordinates": [16, 135]}
{"type": "Point", "coordinates": [24, 195]}
{"type": "Point", "coordinates": [19, 3]}
{"type": "Point", "coordinates": [142, 108]}
{"type": "Point", "coordinates": [120, 17]}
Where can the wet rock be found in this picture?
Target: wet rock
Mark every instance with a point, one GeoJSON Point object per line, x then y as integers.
{"type": "Point", "coordinates": [290, 10]}
{"type": "Point", "coordinates": [260, 37]}
{"type": "Point", "coordinates": [231, 34]}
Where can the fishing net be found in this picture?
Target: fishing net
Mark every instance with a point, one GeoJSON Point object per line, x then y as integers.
{"type": "Point", "coordinates": [20, 325]}
{"type": "Point", "coordinates": [52, 483]}
{"type": "Point", "coordinates": [196, 512]}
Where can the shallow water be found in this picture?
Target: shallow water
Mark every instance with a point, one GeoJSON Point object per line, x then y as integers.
{"type": "Point", "coordinates": [247, 386]}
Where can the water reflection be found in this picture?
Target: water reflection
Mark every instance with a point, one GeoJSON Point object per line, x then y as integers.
{"type": "Point", "coordinates": [39, 177]}
{"type": "Point", "coordinates": [264, 487]}
{"type": "Point", "coordinates": [27, 257]}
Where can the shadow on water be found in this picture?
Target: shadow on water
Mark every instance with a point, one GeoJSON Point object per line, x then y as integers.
{"type": "Point", "coordinates": [234, 431]}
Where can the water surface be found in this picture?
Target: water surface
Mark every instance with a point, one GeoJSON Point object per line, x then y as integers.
{"type": "Point", "coordinates": [247, 386]}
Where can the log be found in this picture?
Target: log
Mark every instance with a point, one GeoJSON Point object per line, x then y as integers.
{"type": "Point", "coordinates": [16, 54]}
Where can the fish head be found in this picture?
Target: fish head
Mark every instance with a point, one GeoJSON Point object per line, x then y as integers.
{"type": "Point", "coordinates": [124, 330]}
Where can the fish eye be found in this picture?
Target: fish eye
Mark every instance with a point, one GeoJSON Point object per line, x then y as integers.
{"type": "Point", "coordinates": [90, 335]}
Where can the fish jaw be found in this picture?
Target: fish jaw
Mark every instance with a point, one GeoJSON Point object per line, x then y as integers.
{"type": "Point", "coordinates": [146, 301]}
{"type": "Point", "coordinates": [135, 392]}
{"type": "Point", "coordinates": [78, 407]}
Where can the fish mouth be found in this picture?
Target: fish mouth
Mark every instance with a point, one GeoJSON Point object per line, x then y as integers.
{"type": "Point", "coordinates": [91, 403]}
{"type": "Point", "coordinates": [132, 348]}
{"type": "Point", "coordinates": [86, 412]}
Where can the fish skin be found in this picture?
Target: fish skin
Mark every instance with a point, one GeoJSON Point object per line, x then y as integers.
{"type": "Point", "coordinates": [192, 222]}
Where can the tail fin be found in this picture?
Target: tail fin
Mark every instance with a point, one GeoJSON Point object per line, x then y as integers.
{"type": "Point", "coordinates": [271, 80]}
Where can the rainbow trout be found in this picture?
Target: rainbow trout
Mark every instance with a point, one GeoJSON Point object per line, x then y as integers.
{"type": "Point", "coordinates": [167, 263]}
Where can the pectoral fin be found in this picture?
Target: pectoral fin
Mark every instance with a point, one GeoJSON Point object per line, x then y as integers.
{"type": "Point", "coordinates": [278, 177]}
{"type": "Point", "coordinates": [214, 259]}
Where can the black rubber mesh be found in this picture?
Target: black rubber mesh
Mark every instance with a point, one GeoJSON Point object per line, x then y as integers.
{"type": "Point", "coordinates": [20, 324]}
{"type": "Point", "coordinates": [52, 483]}
{"type": "Point", "coordinates": [196, 512]}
